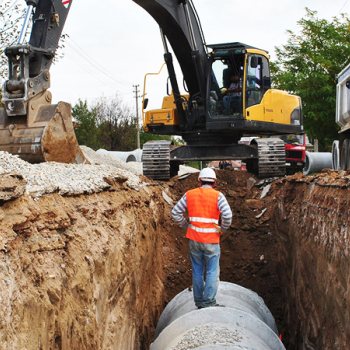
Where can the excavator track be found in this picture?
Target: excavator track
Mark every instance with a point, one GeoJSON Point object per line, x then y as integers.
{"type": "Point", "coordinates": [272, 157]}
{"type": "Point", "coordinates": [156, 160]}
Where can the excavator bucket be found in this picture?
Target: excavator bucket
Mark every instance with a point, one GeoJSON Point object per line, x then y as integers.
{"type": "Point", "coordinates": [45, 134]}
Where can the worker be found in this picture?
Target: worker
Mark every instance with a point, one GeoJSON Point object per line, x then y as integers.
{"type": "Point", "coordinates": [232, 100]}
{"type": "Point", "coordinates": [204, 206]}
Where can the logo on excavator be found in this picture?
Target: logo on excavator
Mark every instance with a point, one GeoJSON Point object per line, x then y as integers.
{"type": "Point", "coordinates": [66, 3]}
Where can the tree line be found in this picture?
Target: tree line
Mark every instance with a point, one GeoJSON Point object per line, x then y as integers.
{"type": "Point", "coordinates": [108, 124]}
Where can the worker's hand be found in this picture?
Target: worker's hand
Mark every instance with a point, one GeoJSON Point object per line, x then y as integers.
{"type": "Point", "coordinates": [223, 91]}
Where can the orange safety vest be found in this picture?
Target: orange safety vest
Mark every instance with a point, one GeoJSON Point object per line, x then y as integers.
{"type": "Point", "coordinates": [204, 214]}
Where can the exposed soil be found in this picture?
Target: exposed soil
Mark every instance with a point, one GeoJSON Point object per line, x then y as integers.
{"type": "Point", "coordinates": [249, 250]}
{"type": "Point", "coordinates": [82, 272]}
{"type": "Point", "coordinates": [295, 254]}
{"type": "Point", "coordinates": [94, 271]}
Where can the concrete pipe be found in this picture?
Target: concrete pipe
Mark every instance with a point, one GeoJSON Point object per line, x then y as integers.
{"type": "Point", "coordinates": [133, 156]}
{"type": "Point", "coordinates": [243, 323]}
{"type": "Point", "coordinates": [335, 155]}
{"type": "Point", "coordinates": [317, 161]}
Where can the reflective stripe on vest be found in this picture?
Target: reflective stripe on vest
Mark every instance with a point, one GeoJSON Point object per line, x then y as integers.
{"type": "Point", "coordinates": [203, 230]}
{"type": "Point", "coordinates": [204, 220]}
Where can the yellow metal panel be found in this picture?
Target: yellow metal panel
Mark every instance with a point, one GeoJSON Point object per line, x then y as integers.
{"type": "Point", "coordinates": [161, 116]}
{"type": "Point", "coordinates": [165, 116]}
{"type": "Point", "coordinates": [258, 52]}
{"type": "Point", "coordinates": [275, 107]}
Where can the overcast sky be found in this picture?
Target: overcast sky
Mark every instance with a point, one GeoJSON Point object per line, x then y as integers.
{"type": "Point", "coordinates": [113, 43]}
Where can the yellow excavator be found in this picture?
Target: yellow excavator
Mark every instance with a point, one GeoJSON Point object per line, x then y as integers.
{"type": "Point", "coordinates": [228, 96]}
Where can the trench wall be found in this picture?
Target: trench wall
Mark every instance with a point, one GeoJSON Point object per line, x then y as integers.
{"type": "Point", "coordinates": [312, 225]}
{"type": "Point", "coordinates": [81, 272]}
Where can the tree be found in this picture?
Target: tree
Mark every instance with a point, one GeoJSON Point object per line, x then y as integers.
{"type": "Point", "coordinates": [87, 131]}
{"type": "Point", "coordinates": [116, 123]}
{"type": "Point", "coordinates": [307, 66]}
{"type": "Point", "coordinates": [11, 14]}
{"type": "Point", "coordinates": [109, 124]}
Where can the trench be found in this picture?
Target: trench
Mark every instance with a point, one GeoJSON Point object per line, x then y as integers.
{"type": "Point", "coordinates": [291, 247]}
{"type": "Point", "coordinates": [95, 271]}
{"type": "Point", "coordinates": [248, 250]}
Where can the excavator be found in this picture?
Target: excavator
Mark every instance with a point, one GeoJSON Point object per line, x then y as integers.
{"type": "Point", "coordinates": [228, 96]}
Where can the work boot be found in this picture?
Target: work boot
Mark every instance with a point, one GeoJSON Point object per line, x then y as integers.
{"type": "Point", "coordinates": [218, 305]}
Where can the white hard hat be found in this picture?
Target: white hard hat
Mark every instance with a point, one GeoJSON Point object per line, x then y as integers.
{"type": "Point", "coordinates": [207, 175]}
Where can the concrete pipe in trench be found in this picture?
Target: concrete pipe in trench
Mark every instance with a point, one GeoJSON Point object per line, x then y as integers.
{"type": "Point", "coordinates": [317, 161]}
{"type": "Point", "coordinates": [243, 322]}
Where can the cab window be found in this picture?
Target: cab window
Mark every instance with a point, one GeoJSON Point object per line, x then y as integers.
{"type": "Point", "coordinates": [258, 79]}
{"type": "Point", "coordinates": [226, 86]}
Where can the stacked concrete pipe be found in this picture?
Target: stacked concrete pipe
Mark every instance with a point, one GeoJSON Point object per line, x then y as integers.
{"type": "Point", "coordinates": [241, 322]}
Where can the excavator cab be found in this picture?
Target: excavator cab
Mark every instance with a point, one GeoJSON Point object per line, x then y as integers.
{"type": "Point", "coordinates": [240, 88]}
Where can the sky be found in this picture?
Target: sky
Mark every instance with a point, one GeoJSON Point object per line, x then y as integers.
{"type": "Point", "coordinates": [113, 43]}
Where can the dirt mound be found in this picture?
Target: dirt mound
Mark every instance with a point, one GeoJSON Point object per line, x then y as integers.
{"type": "Point", "coordinates": [68, 179]}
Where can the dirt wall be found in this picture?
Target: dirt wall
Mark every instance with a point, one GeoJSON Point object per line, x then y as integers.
{"type": "Point", "coordinates": [311, 223]}
{"type": "Point", "coordinates": [82, 272]}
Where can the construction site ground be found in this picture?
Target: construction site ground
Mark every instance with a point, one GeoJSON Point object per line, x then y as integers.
{"type": "Point", "coordinates": [92, 265]}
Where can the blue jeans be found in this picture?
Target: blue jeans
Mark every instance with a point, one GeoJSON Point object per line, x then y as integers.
{"type": "Point", "coordinates": [232, 104]}
{"type": "Point", "coordinates": [205, 260]}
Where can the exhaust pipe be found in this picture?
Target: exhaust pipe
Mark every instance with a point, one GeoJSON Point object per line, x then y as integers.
{"type": "Point", "coordinates": [244, 322]}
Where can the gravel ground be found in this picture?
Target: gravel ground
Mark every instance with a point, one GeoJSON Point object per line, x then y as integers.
{"type": "Point", "coordinates": [207, 335]}
{"type": "Point", "coordinates": [68, 179]}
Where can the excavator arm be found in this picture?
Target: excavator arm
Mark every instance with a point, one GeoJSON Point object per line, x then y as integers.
{"type": "Point", "coordinates": [180, 26]}
{"type": "Point", "coordinates": [30, 125]}
{"type": "Point", "coordinates": [179, 23]}
{"type": "Point", "coordinates": [29, 64]}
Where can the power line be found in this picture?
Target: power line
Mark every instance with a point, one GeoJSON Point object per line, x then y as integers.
{"type": "Point", "coordinates": [102, 77]}
{"type": "Point", "coordinates": [342, 8]}
{"type": "Point", "coordinates": [93, 62]}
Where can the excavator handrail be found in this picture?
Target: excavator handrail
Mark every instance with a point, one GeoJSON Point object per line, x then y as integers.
{"type": "Point", "coordinates": [144, 88]}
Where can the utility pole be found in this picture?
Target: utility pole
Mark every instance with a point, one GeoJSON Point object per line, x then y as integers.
{"type": "Point", "coordinates": [136, 92]}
